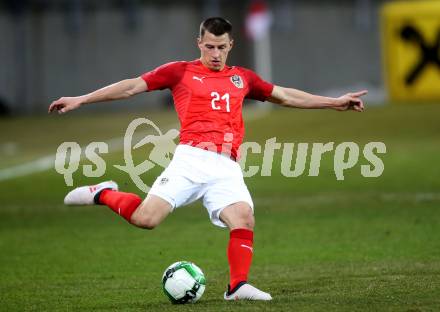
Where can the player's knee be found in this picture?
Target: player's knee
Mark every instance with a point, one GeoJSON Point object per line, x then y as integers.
{"type": "Point", "coordinates": [250, 221]}
{"type": "Point", "coordinates": [238, 216]}
{"type": "Point", "coordinates": [246, 218]}
{"type": "Point", "coordinates": [145, 222]}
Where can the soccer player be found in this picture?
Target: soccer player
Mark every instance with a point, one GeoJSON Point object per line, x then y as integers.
{"type": "Point", "coordinates": [208, 97]}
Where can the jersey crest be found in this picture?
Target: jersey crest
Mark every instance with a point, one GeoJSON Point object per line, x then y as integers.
{"type": "Point", "coordinates": [237, 81]}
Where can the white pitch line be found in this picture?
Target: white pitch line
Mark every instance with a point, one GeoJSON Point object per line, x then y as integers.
{"type": "Point", "coordinates": [39, 165]}
{"type": "Point", "coordinates": [115, 144]}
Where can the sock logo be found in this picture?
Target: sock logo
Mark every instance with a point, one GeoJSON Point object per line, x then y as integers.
{"type": "Point", "coordinates": [248, 247]}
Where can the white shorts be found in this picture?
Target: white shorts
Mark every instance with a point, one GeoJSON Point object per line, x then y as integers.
{"type": "Point", "coordinates": [196, 173]}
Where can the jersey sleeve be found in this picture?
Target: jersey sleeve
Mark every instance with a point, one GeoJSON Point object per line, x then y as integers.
{"type": "Point", "coordinates": [165, 76]}
{"type": "Point", "coordinates": [259, 89]}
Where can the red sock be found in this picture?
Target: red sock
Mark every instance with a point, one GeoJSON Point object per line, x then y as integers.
{"type": "Point", "coordinates": [124, 204]}
{"type": "Point", "coordinates": [239, 255]}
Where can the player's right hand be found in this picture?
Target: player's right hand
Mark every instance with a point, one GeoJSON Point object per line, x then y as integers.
{"type": "Point", "coordinates": [65, 104]}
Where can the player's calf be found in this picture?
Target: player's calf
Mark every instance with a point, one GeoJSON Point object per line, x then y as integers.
{"type": "Point", "coordinates": [240, 220]}
{"type": "Point", "coordinates": [124, 204]}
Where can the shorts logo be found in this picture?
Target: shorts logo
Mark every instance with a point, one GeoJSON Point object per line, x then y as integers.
{"type": "Point", "coordinates": [163, 181]}
{"type": "Point", "coordinates": [237, 81]}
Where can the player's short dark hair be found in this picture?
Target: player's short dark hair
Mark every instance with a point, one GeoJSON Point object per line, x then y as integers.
{"type": "Point", "coordinates": [217, 26]}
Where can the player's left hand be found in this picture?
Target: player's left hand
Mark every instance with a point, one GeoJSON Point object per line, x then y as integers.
{"type": "Point", "coordinates": [350, 101]}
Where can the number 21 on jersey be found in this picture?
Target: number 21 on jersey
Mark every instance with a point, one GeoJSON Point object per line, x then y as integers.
{"type": "Point", "coordinates": [216, 98]}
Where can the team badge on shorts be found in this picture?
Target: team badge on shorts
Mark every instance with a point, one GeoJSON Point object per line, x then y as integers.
{"type": "Point", "coordinates": [163, 181]}
{"type": "Point", "coordinates": [237, 81]}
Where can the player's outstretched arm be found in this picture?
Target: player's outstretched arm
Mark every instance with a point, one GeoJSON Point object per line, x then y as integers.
{"type": "Point", "coordinates": [300, 99]}
{"type": "Point", "coordinates": [119, 90]}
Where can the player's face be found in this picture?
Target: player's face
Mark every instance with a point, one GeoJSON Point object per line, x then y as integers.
{"type": "Point", "coordinates": [214, 50]}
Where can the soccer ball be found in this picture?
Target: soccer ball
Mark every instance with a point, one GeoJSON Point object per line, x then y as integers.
{"type": "Point", "coordinates": [183, 282]}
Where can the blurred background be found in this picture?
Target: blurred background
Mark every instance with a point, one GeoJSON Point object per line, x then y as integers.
{"type": "Point", "coordinates": [53, 48]}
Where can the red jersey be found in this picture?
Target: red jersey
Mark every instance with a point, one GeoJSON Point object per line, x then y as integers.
{"type": "Point", "coordinates": [209, 103]}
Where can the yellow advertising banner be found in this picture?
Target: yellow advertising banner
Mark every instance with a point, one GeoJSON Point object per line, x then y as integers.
{"type": "Point", "coordinates": [411, 49]}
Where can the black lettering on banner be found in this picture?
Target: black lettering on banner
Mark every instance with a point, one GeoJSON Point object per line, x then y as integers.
{"type": "Point", "coordinates": [429, 54]}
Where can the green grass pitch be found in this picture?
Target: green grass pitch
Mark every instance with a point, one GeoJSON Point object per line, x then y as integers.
{"type": "Point", "coordinates": [362, 244]}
